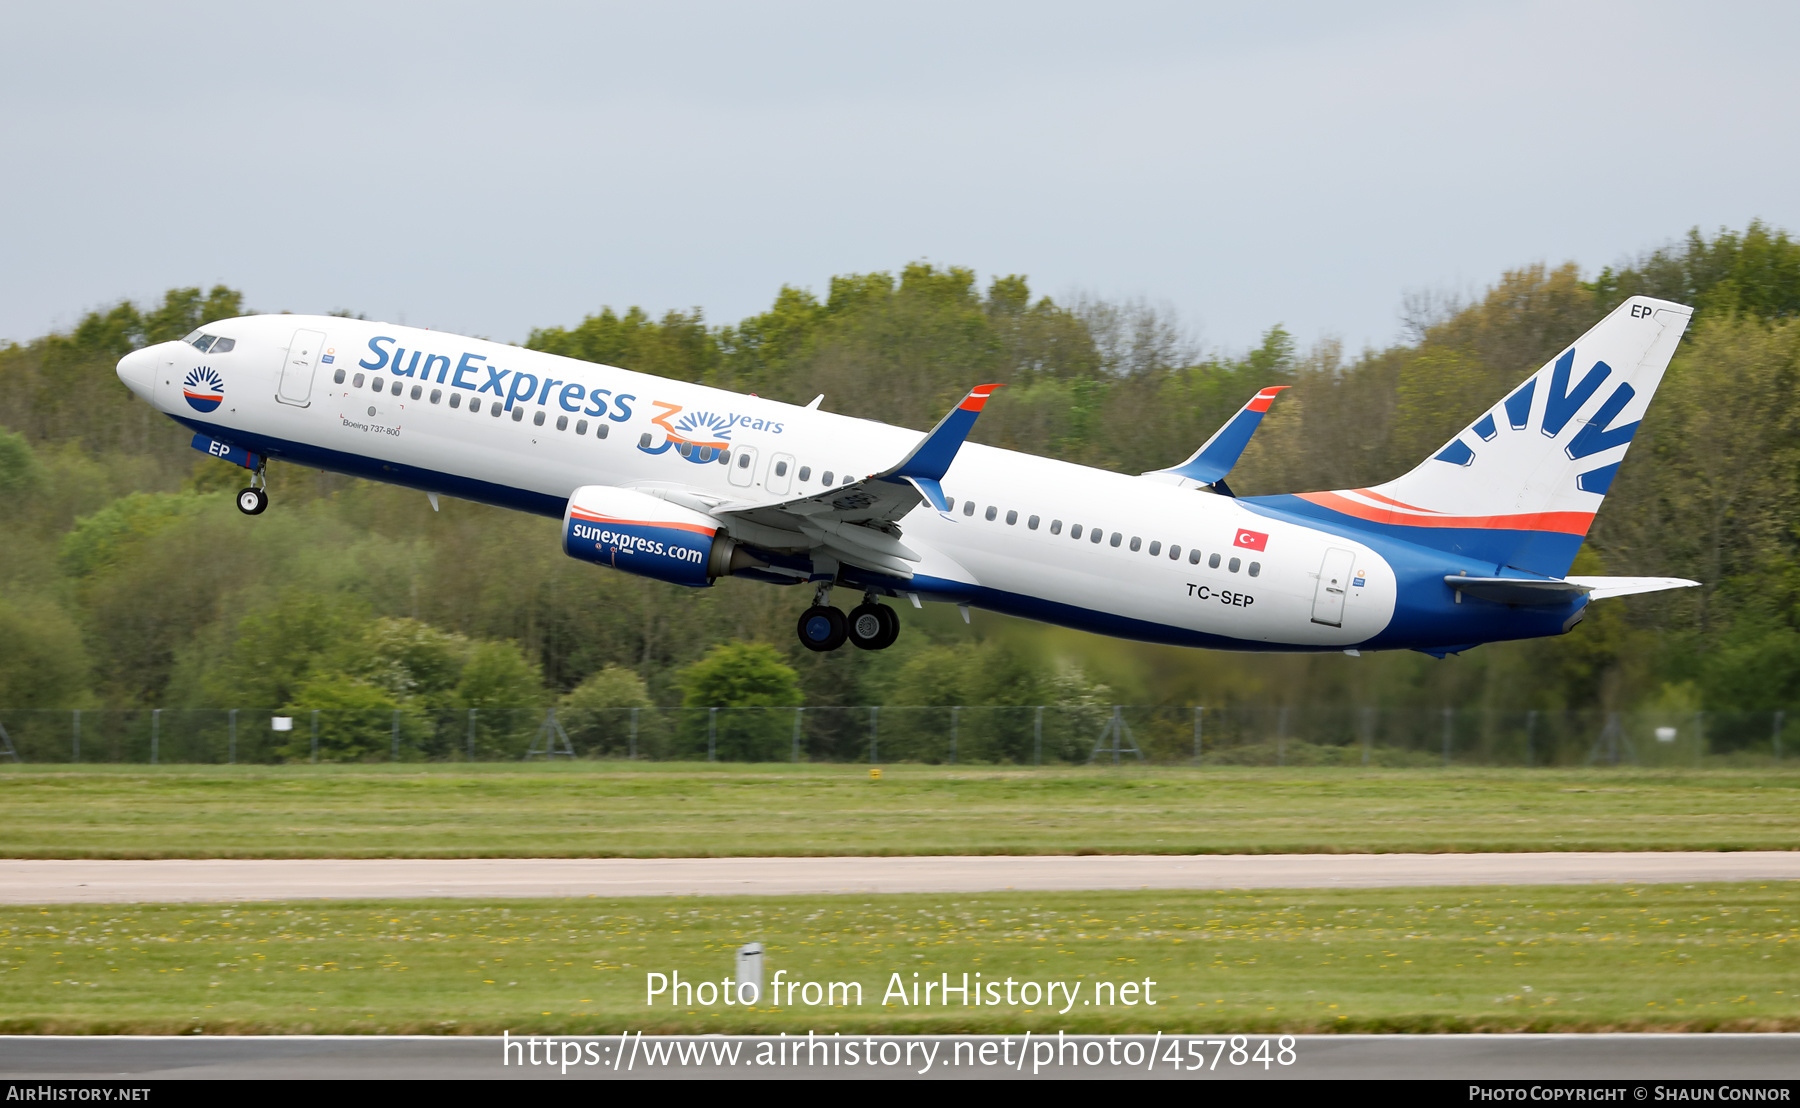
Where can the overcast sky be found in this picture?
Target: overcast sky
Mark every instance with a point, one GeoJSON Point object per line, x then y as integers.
{"type": "Point", "coordinates": [490, 168]}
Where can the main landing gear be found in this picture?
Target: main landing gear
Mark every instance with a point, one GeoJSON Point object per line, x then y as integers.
{"type": "Point", "coordinates": [870, 626]}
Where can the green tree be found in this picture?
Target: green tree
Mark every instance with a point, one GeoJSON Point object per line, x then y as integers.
{"type": "Point", "coordinates": [597, 712]}
{"type": "Point", "coordinates": [42, 662]}
{"type": "Point", "coordinates": [744, 679]}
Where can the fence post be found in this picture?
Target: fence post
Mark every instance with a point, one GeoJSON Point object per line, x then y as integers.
{"type": "Point", "coordinates": [76, 737]}
{"type": "Point", "coordinates": [954, 710]}
{"type": "Point", "coordinates": [1197, 712]}
{"type": "Point", "coordinates": [1778, 718]}
{"type": "Point", "coordinates": [1447, 725]}
{"type": "Point", "coordinates": [1037, 738]}
{"type": "Point", "coordinates": [394, 748]}
{"type": "Point", "coordinates": [472, 712]}
{"type": "Point", "coordinates": [155, 732]}
{"type": "Point", "coordinates": [1281, 736]}
{"type": "Point", "coordinates": [631, 752]}
{"type": "Point", "coordinates": [1699, 736]}
{"type": "Point", "coordinates": [1368, 732]}
{"type": "Point", "coordinates": [797, 712]}
{"type": "Point", "coordinates": [231, 739]}
{"type": "Point", "coordinates": [315, 736]}
{"type": "Point", "coordinates": [712, 731]}
{"type": "Point", "coordinates": [873, 725]}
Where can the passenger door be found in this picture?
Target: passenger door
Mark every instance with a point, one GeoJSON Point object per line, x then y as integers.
{"type": "Point", "coordinates": [297, 371]}
{"type": "Point", "coordinates": [1334, 584]}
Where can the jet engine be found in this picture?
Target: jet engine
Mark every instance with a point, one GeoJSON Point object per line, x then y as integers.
{"type": "Point", "coordinates": [648, 536]}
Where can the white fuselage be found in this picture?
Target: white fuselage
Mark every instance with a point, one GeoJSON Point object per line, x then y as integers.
{"type": "Point", "coordinates": [1025, 559]}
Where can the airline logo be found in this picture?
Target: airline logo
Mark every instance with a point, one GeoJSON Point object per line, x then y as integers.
{"type": "Point", "coordinates": [204, 389]}
{"type": "Point", "coordinates": [1564, 397]}
{"type": "Point", "coordinates": [1251, 540]}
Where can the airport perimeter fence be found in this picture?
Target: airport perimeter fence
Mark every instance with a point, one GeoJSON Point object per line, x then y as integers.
{"type": "Point", "coordinates": [1016, 736]}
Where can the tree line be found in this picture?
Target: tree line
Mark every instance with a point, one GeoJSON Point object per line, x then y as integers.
{"type": "Point", "coordinates": [128, 580]}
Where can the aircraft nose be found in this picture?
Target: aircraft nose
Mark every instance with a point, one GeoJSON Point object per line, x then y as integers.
{"type": "Point", "coordinates": [138, 370]}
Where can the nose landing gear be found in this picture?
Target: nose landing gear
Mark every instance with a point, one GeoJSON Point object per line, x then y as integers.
{"type": "Point", "coordinates": [871, 625]}
{"type": "Point", "coordinates": [253, 500]}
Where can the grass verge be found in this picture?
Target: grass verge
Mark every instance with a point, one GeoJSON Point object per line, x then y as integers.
{"type": "Point", "coordinates": [625, 810]}
{"type": "Point", "coordinates": [1701, 957]}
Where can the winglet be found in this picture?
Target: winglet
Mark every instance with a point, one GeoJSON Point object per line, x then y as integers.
{"type": "Point", "coordinates": [1214, 460]}
{"type": "Point", "coordinates": [931, 459]}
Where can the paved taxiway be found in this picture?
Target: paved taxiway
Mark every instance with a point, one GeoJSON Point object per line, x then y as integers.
{"type": "Point", "coordinates": [1634, 1060]}
{"type": "Point", "coordinates": [104, 881]}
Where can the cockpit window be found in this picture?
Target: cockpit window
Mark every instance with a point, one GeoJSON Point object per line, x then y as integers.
{"type": "Point", "coordinates": [210, 344]}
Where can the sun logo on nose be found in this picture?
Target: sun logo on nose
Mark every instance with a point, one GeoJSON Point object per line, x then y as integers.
{"type": "Point", "coordinates": [204, 389]}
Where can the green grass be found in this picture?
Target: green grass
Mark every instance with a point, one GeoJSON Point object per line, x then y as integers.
{"type": "Point", "coordinates": [621, 810]}
{"type": "Point", "coordinates": [1704, 957]}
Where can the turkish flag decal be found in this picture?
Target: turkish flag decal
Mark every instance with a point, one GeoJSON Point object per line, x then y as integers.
{"type": "Point", "coordinates": [1251, 540]}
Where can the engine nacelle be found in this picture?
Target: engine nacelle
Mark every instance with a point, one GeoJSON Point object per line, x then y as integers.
{"type": "Point", "coordinates": [647, 536]}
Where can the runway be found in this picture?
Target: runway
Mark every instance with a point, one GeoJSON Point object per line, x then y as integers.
{"type": "Point", "coordinates": [105, 881]}
{"type": "Point", "coordinates": [1635, 1061]}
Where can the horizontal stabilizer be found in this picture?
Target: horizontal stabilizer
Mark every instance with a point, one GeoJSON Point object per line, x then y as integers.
{"type": "Point", "coordinates": [1529, 592]}
{"type": "Point", "coordinates": [1214, 459]}
{"type": "Point", "coordinates": [1604, 587]}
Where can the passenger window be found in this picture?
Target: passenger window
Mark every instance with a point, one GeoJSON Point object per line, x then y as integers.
{"type": "Point", "coordinates": [1032, 523]}
{"type": "Point", "coordinates": [724, 457]}
{"type": "Point", "coordinates": [437, 395]}
{"type": "Point", "coordinates": [357, 381]}
{"type": "Point", "coordinates": [1193, 557]}
{"type": "Point", "coordinates": [644, 441]}
{"type": "Point", "coordinates": [494, 409]}
{"type": "Point", "coordinates": [519, 413]}
{"type": "Point", "coordinates": [1174, 552]}
{"type": "Point", "coordinates": [600, 430]}
{"type": "Point", "coordinates": [1155, 549]}
{"type": "Point", "coordinates": [378, 385]}
{"type": "Point", "coordinates": [1233, 565]}
{"type": "Point", "coordinates": [706, 453]}
{"type": "Point", "coordinates": [456, 400]}
{"type": "Point", "coordinates": [537, 417]}
{"type": "Point", "coordinates": [398, 385]}
{"type": "Point", "coordinates": [968, 507]}
{"type": "Point", "coordinates": [686, 450]}
{"type": "Point", "coordinates": [223, 346]}
{"type": "Point", "coordinates": [417, 392]}
{"type": "Point", "coordinates": [805, 473]}
{"type": "Point", "coordinates": [581, 427]}
{"type": "Point", "coordinates": [562, 423]}
{"type": "Point", "coordinates": [781, 469]}
{"type": "Point", "coordinates": [1056, 527]}
{"type": "Point", "coordinates": [1075, 530]}
{"type": "Point", "coordinates": [743, 461]}
{"type": "Point", "coordinates": [1212, 562]}
{"type": "Point", "coordinates": [826, 477]}
{"type": "Point", "coordinates": [949, 503]}
{"type": "Point", "coordinates": [1255, 569]}
{"type": "Point", "coordinates": [1136, 543]}
{"type": "Point", "coordinates": [338, 377]}
{"type": "Point", "coordinates": [1095, 534]}
{"type": "Point", "coordinates": [474, 406]}
{"type": "Point", "coordinates": [1011, 518]}
{"type": "Point", "coordinates": [991, 513]}
{"type": "Point", "coordinates": [1116, 537]}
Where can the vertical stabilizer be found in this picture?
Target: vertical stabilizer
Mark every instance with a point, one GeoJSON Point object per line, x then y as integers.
{"type": "Point", "coordinates": [1519, 486]}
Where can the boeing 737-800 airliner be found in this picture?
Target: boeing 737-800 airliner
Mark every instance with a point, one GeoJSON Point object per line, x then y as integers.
{"type": "Point", "coordinates": [688, 484]}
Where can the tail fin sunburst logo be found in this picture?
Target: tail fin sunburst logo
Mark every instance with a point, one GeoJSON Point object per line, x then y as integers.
{"type": "Point", "coordinates": [204, 389]}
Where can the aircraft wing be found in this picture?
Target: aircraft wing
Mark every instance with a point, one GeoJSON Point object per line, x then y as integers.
{"type": "Point", "coordinates": [1209, 464]}
{"type": "Point", "coordinates": [858, 523]}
